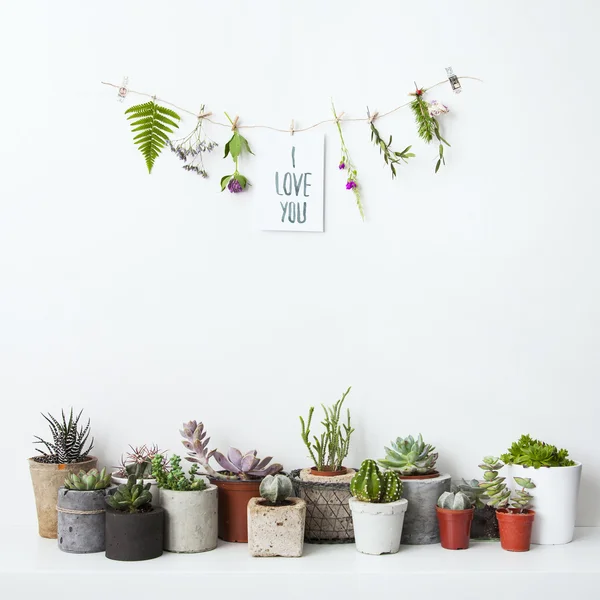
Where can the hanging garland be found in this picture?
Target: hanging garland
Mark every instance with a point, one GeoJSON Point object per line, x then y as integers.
{"type": "Point", "coordinates": [152, 123]}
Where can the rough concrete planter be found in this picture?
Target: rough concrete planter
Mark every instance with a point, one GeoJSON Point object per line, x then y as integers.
{"type": "Point", "coordinates": [378, 527]}
{"type": "Point", "coordinates": [276, 530]}
{"type": "Point", "coordinates": [134, 536]}
{"type": "Point", "coordinates": [81, 516]}
{"type": "Point", "coordinates": [46, 479]}
{"type": "Point", "coordinates": [420, 522]}
{"type": "Point", "coordinates": [190, 519]}
{"type": "Point", "coordinates": [328, 515]}
{"type": "Point", "coordinates": [153, 486]}
{"type": "Point", "coordinates": [554, 500]}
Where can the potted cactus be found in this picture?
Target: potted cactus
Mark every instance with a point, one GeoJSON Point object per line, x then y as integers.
{"type": "Point", "coordinates": [414, 462]}
{"type": "Point", "coordinates": [238, 480]}
{"type": "Point", "coordinates": [190, 507]}
{"type": "Point", "coordinates": [325, 485]}
{"type": "Point", "coordinates": [81, 507]}
{"type": "Point", "coordinates": [68, 452]}
{"type": "Point", "coordinates": [276, 519]}
{"type": "Point", "coordinates": [134, 528]}
{"type": "Point", "coordinates": [377, 509]}
{"type": "Point", "coordinates": [515, 517]}
{"type": "Point", "coordinates": [557, 479]}
{"type": "Point", "coordinates": [455, 515]}
{"type": "Point", "coordinates": [485, 522]}
{"type": "Point", "coordinates": [138, 462]}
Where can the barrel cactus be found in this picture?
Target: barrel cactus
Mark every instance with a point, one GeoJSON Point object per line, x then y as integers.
{"type": "Point", "coordinates": [408, 456]}
{"type": "Point", "coordinates": [454, 501]}
{"type": "Point", "coordinates": [276, 489]}
{"type": "Point", "coordinates": [131, 497]}
{"type": "Point", "coordinates": [370, 485]}
{"type": "Point", "coordinates": [92, 480]}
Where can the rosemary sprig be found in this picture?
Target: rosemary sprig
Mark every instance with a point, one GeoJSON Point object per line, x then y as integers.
{"type": "Point", "coordinates": [429, 128]}
{"type": "Point", "coordinates": [391, 157]}
{"type": "Point", "coordinates": [346, 163]}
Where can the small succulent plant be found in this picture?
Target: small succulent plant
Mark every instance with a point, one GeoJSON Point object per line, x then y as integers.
{"type": "Point", "coordinates": [497, 492]}
{"type": "Point", "coordinates": [92, 480]}
{"type": "Point", "coordinates": [138, 461]}
{"type": "Point", "coordinates": [369, 484]}
{"type": "Point", "coordinates": [535, 453]}
{"type": "Point", "coordinates": [68, 440]}
{"type": "Point", "coordinates": [471, 488]}
{"type": "Point", "coordinates": [454, 501]}
{"type": "Point", "coordinates": [276, 489]}
{"type": "Point", "coordinates": [235, 465]}
{"type": "Point", "coordinates": [408, 456]}
{"type": "Point", "coordinates": [174, 478]}
{"type": "Point", "coordinates": [131, 497]}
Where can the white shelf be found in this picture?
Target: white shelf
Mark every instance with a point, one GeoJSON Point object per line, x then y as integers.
{"type": "Point", "coordinates": [31, 567]}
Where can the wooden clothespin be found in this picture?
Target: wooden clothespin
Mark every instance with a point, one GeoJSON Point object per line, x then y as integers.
{"type": "Point", "coordinates": [234, 123]}
{"type": "Point", "coordinates": [372, 117]}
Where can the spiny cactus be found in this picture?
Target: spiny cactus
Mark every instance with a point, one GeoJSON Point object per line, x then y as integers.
{"type": "Point", "coordinates": [275, 489]}
{"type": "Point", "coordinates": [494, 486]}
{"type": "Point", "coordinates": [92, 480]}
{"type": "Point", "coordinates": [471, 488]}
{"type": "Point", "coordinates": [408, 456]}
{"type": "Point", "coordinates": [138, 462]}
{"type": "Point", "coordinates": [69, 440]}
{"type": "Point", "coordinates": [370, 485]}
{"type": "Point", "coordinates": [131, 497]}
{"type": "Point", "coordinates": [454, 501]}
{"type": "Point", "coordinates": [174, 478]}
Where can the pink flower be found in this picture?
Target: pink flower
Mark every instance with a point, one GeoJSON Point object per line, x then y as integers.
{"type": "Point", "coordinates": [342, 165]}
{"type": "Point", "coordinates": [350, 184]}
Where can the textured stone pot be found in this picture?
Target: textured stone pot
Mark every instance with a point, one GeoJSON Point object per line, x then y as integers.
{"type": "Point", "coordinates": [234, 496]}
{"type": "Point", "coordinates": [154, 490]}
{"type": "Point", "coordinates": [328, 515]}
{"type": "Point", "coordinates": [134, 536]}
{"type": "Point", "coordinates": [46, 479]}
{"type": "Point", "coordinates": [276, 530]}
{"type": "Point", "coordinates": [190, 519]}
{"type": "Point", "coordinates": [420, 521]}
{"type": "Point", "coordinates": [81, 516]}
{"type": "Point", "coordinates": [554, 500]}
{"type": "Point", "coordinates": [378, 527]}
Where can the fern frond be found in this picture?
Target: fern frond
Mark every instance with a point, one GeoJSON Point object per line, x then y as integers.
{"type": "Point", "coordinates": [152, 124]}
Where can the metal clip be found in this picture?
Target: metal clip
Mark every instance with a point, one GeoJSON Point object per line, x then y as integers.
{"type": "Point", "coordinates": [453, 79]}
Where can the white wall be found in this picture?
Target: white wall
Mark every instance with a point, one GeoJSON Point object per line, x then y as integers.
{"type": "Point", "coordinates": [464, 308]}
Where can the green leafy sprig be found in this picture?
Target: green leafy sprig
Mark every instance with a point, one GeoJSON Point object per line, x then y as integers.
{"type": "Point", "coordinates": [238, 144]}
{"type": "Point", "coordinates": [346, 163]}
{"type": "Point", "coordinates": [175, 478]}
{"type": "Point", "coordinates": [428, 126]}
{"type": "Point", "coordinates": [391, 157]}
{"type": "Point", "coordinates": [152, 124]}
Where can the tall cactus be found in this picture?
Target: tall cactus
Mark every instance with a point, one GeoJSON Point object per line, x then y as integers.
{"type": "Point", "coordinates": [370, 485]}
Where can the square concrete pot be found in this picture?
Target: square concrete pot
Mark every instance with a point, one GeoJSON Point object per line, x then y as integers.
{"type": "Point", "coordinates": [276, 530]}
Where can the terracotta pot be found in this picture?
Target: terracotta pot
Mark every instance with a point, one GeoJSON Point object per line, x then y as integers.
{"type": "Point", "coordinates": [134, 536]}
{"type": "Point", "coordinates": [455, 527]}
{"type": "Point", "coordinates": [47, 479]}
{"type": "Point", "coordinates": [328, 473]}
{"type": "Point", "coordinates": [427, 476]}
{"type": "Point", "coordinates": [234, 496]}
{"type": "Point", "coordinates": [515, 529]}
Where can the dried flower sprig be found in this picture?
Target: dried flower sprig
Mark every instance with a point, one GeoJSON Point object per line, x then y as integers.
{"type": "Point", "coordinates": [429, 128]}
{"type": "Point", "coordinates": [391, 157]}
{"type": "Point", "coordinates": [346, 164]}
{"type": "Point", "coordinates": [190, 149]}
{"type": "Point", "coordinates": [235, 182]}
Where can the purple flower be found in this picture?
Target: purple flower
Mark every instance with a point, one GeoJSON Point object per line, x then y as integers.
{"type": "Point", "coordinates": [342, 165]}
{"type": "Point", "coordinates": [234, 186]}
{"type": "Point", "coordinates": [350, 184]}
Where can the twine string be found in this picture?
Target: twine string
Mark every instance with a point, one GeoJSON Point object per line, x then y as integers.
{"type": "Point", "coordinates": [204, 116]}
{"type": "Point", "coordinates": [70, 511]}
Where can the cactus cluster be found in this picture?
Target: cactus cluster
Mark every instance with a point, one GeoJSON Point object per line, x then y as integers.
{"type": "Point", "coordinates": [408, 456]}
{"type": "Point", "coordinates": [496, 491]}
{"type": "Point", "coordinates": [131, 497]}
{"type": "Point", "coordinates": [174, 478]}
{"type": "Point", "coordinates": [369, 484]}
{"type": "Point", "coordinates": [92, 480]}
{"type": "Point", "coordinates": [276, 489]}
{"type": "Point", "coordinates": [454, 501]}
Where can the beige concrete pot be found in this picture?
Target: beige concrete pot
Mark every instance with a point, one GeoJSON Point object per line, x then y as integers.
{"type": "Point", "coordinates": [276, 530]}
{"type": "Point", "coordinates": [47, 479]}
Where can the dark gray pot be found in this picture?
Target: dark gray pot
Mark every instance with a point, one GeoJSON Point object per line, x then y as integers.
{"type": "Point", "coordinates": [134, 536]}
{"type": "Point", "coordinates": [81, 531]}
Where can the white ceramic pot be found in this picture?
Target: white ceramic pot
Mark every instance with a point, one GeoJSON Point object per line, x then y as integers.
{"type": "Point", "coordinates": [190, 519]}
{"type": "Point", "coordinates": [554, 500]}
{"type": "Point", "coordinates": [378, 527]}
{"type": "Point", "coordinates": [153, 486]}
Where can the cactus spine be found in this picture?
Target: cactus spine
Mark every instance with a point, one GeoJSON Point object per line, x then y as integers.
{"type": "Point", "coordinates": [370, 485]}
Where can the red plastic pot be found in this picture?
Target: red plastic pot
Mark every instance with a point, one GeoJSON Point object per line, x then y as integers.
{"type": "Point", "coordinates": [515, 529]}
{"type": "Point", "coordinates": [455, 527]}
{"type": "Point", "coordinates": [234, 496]}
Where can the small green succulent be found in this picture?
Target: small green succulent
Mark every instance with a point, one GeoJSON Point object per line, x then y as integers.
{"type": "Point", "coordinates": [131, 497]}
{"type": "Point", "coordinates": [92, 480]}
{"type": "Point", "coordinates": [175, 478]}
{"type": "Point", "coordinates": [369, 484]}
{"type": "Point", "coordinates": [454, 501]}
{"type": "Point", "coordinates": [471, 488]}
{"type": "Point", "coordinates": [497, 492]}
{"type": "Point", "coordinates": [408, 456]}
{"type": "Point", "coordinates": [535, 453]}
